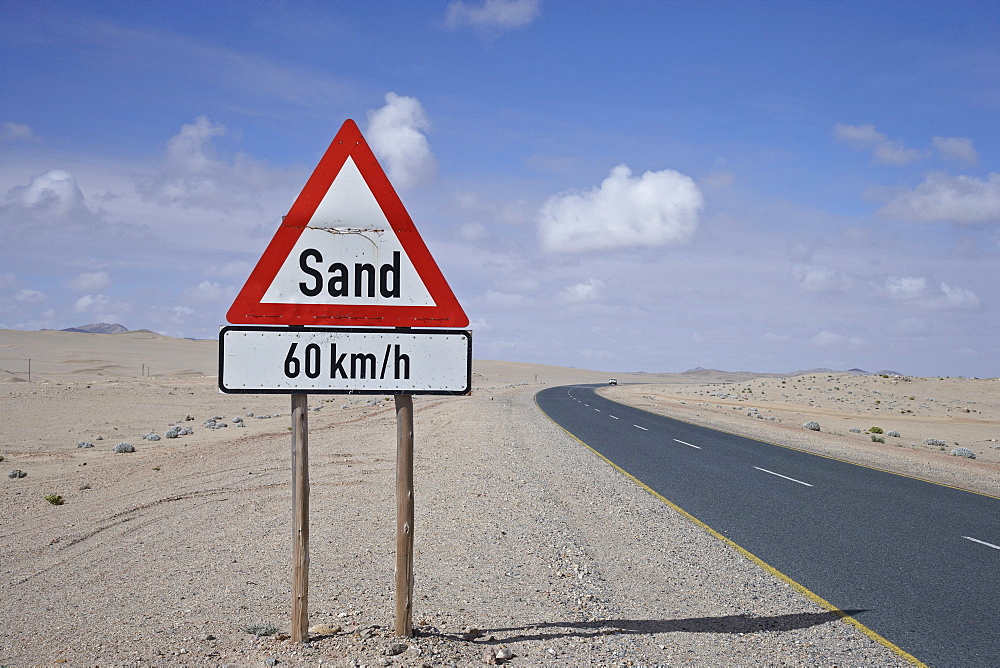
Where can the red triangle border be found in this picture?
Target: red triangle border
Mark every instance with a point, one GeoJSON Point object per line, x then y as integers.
{"type": "Point", "coordinates": [247, 307]}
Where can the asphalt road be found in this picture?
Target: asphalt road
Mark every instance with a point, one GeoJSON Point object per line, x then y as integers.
{"type": "Point", "coordinates": [916, 562]}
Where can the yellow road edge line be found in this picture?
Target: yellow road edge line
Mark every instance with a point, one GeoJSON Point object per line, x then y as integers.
{"type": "Point", "coordinates": [810, 595]}
{"type": "Point", "coordinates": [808, 452]}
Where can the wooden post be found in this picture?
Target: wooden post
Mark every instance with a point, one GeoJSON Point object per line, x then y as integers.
{"type": "Point", "coordinates": [404, 515]}
{"type": "Point", "coordinates": [300, 517]}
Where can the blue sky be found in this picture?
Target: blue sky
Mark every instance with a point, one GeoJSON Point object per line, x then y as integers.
{"type": "Point", "coordinates": [622, 186]}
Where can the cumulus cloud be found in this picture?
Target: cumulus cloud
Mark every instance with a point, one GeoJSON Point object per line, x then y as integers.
{"type": "Point", "coordinates": [51, 200]}
{"type": "Point", "coordinates": [917, 290]}
{"type": "Point", "coordinates": [102, 308]}
{"type": "Point", "coordinates": [958, 149]}
{"type": "Point", "coordinates": [965, 200]}
{"type": "Point", "coordinates": [821, 279]}
{"type": "Point", "coordinates": [954, 298]}
{"type": "Point", "coordinates": [194, 176]}
{"type": "Point", "coordinates": [91, 281]}
{"type": "Point", "coordinates": [91, 303]}
{"type": "Point", "coordinates": [497, 298]}
{"type": "Point", "coordinates": [864, 137]}
{"type": "Point", "coordinates": [655, 209]}
{"type": "Point", "coordinates": [588, 291]}
{"type": "Point", "coordinates": [397, 135]}
{"type": "Point", "coordinates": [495, 16]}
{"type": "Point", "coordinates": [209, 291]}
{"type": "Point", "coordinates": [827, 339]}
{"type": "Point", "coordinates": [17, 132]}
{"type": "Point", "coordinates": [29, 296]}
{"type": "Point", "coordinates": [906, 287]}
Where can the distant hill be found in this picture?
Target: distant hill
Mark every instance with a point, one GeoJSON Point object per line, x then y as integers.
{"type": "Point", "coordinates": [97, 328]}
{"type": "Point", "coordinates": [718, 376]}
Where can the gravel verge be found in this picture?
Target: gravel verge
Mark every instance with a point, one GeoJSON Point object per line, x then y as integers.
{"type": "Point", "coordinates": [526, 542]}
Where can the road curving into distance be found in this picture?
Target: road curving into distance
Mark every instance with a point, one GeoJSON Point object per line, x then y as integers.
{"type": "Point", "coordinates": [914, 564]}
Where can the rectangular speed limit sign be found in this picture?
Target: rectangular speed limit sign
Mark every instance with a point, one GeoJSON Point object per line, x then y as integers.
{"type": "Point", "coordinates": [318, 360]}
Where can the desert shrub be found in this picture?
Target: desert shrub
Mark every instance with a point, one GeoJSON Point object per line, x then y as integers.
{"type": "Point", "coordinates": [84, 444]}
{"type": "Point", "coordinates": [892, 432]}
{"type": "Point", "coordinates": [814, 426]}
{"type": "Point", "coordinates": [123, 447]}
{"type": "Point", "coordinates": [54, 499]}
{"type": "Point", "coordinates": [963, 452]}
{"type": "Point", "coordinates": [935, 441]}
{"type": "Point", "coordinates": [875, 430]}
{"type": "Point", "coordinates": [260, 630]}
{"type": "Point", "coordinates": [17, 473]}
{"type": "Point", "coordinates": [877, 439]}
{"type": "Point", "coordinates": [855, 430]}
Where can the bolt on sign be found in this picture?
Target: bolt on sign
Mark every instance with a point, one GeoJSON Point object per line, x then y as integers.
{"type": "Point", "coordinates": [338, 304]}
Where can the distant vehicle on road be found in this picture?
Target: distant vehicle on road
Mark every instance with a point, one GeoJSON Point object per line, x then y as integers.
{"type": "Point", "coordinates": [613, 381]}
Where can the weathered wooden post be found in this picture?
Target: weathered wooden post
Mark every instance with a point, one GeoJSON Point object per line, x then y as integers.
{"type": "Point", "coordinates": [300, 517]}
{"type": "Point", "coordinates": [404, 515]}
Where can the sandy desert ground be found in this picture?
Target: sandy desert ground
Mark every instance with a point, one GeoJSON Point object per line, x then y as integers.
{"type": "Point", "coordinates": [952, 413]}
{"type": "Point", "coordinates": [526, 542]}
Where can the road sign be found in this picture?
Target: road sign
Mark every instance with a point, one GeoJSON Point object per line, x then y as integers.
{"type": "Point", "coordinates": [347, 254]}
{"type": "Point", "coordinates": [273, 360]}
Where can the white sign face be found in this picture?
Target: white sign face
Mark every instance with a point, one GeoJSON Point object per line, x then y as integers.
{"type": "Point", "coordinates": [271, 360]}
{"type": "Point", "coordinates": [348, 254]}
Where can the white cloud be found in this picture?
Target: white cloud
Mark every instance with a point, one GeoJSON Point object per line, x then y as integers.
{"type": "Point", "coordinates": [954, 299]}
{"type": "Point", "coordinates": [959, 149]}
{"type": "Point", "coordinates": [192, 176]}
{"type": "Point", "coordinates": [17, 132]}
{"type": "Point", "coordinates": [895, 153]}
{"type": "Point", "coordinates": [50, 200]}
{"type": "Point", "coordinates": [101, 308]}
{"type": "Point", "coordinates": [481, 326]}
{"type": "Point", "coordinates": [917, 290]}
{"type": "Point", "coordinates": [492, 15]}
{"type": "Point", "coordinates": [719, 180]}
{"type": "Point", "coordinates": [497, 298]}
{"type": "Point", "coordinates": [91, 303]}
{"type": "Point", "coordinates": [471, 231]}
{"type": "Point", "coordinates": [965, 200]}
{"type": "Point", "coordinates": [588, 291]}
{"type": "Point", "coordinates": [208, 291]}
{"type": "Point", "coordinates": [885, 150]}
{"type": "Point", "coordinates": [827, 339]}
{"type": "Point", "coordinates": [655, 209]}
{"type": "Point", "coordinates": [396, 132]}
{"type": "Point", "coordinates": [29, 296]}
{"type": "Point", "coordinates": [906, 287]}
{"type": "Point", "coordinates": [821, 279]}
{"type": "Point", "coordinates": [91, 281]}
{"type": "Point", "coordinates": [858, 136]}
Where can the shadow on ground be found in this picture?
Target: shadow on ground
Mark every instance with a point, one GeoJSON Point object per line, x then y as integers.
{"type": "Point", "coordinates": [725, 624]}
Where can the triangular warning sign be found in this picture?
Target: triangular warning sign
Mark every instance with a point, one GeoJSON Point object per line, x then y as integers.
{"type": "Point", "coordinates": [347, 254]}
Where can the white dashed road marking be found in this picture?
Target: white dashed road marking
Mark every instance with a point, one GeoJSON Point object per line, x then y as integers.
{"type": "Point", "coordinates": [783, 476]}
